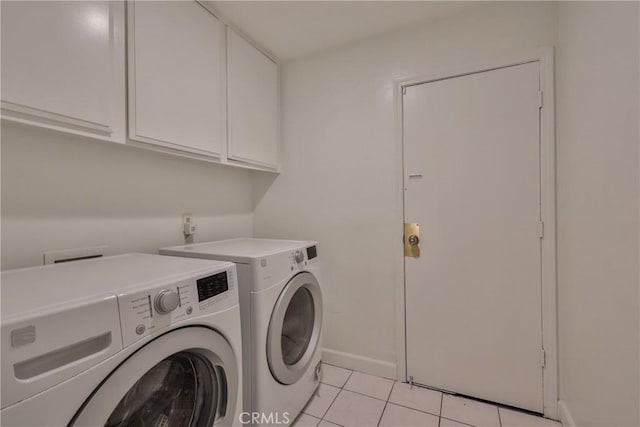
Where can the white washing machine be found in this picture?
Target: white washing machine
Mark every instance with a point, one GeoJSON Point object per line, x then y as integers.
{"type": "Point", "coordinates": [281, 307]}
{"type": "Point", "coordinates": [129, 340]}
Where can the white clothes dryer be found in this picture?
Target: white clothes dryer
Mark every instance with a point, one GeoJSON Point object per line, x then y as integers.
{"type": "Point", "coordinates": [129, 340]}
{"type": "Point", "coordinates": [281, 309]}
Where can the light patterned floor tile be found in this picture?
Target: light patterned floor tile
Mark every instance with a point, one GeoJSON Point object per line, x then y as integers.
{"type": "Point", "coordinates": [469, 411]}
{"type": "Point", "coordinates": [399, 416]}
{"type": "Point", "coordinates": [355, 410]}
{"type": "Point", "coordinates": [511, 418]}
{"type": "Point", "coordinates": [305, 420]}
{"type": "Point", "coordinates": [334, 375]}
{"type": "Point", "coordinates": [321, 400]}
{"type": "Point", "coordinates": [450, 423]}
{"type": "Point", "coordinates": [325, 423]}
{"type": "Point", "coordinates": [370, 385]}
{"type": "Point", "coordinates": [418, 398]}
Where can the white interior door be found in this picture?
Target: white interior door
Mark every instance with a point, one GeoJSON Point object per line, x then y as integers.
{"type": "Point", "coordinates": [472, 183]}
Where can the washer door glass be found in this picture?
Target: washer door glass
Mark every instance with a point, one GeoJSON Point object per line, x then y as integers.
{"type": "Point", "coordinates": [181, 390]}
{"type": "Point", "coordinates": [297, 326]}
{"type": "Point", "coordinates": [188, 377]}
{"type": "Point", "coordinates": [294, 328]}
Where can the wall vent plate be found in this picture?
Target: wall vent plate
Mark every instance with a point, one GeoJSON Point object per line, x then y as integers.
{"type": "Point", "coordinates": [68, 255]}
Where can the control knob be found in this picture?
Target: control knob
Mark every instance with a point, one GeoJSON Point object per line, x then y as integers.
{"type": "Point", "coordinates": [299, 256]}
{"type": "Point", "coordinates": [166, 301]}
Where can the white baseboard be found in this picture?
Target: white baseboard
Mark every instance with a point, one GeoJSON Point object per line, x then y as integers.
{"type": "Point", "coordinates": [565, 415]}
{"type": "Point", "coordinates": [359, 363]}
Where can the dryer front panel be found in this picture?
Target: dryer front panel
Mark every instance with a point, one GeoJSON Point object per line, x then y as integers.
{"type": "Point", "coordinates": [294, 328]}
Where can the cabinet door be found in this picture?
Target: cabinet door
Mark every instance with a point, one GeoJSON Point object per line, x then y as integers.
{"type": "Point", "coordinates": [63, 66]}
{"type": "Point", "coordinates": [176, 76]}
{"type": "Point", "coordinates": [253, 107]}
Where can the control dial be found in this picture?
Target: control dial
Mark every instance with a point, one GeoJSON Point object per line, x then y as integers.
{"type": "Point", "coordinates": [166, 301]}
{"type": "Point", "coordinates": [299, 256]}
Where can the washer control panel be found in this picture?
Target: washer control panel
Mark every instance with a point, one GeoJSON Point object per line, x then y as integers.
{"type": "Point", "coordinates": [144, 312]}
{"type": "Point", "coordinates": [166, 301]}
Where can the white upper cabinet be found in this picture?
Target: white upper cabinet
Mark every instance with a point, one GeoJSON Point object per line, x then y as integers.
{"type": "Point", "coordinates": [176, 76]}
{"type": "Point", "coordinates": [253, 104]}
{"type": "Point", "coordinates": [63, 66]}
{"type": "Point", "coordinates": [186, 78]}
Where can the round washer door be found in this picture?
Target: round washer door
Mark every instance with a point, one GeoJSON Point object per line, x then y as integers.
{"type": "Point", "coordinates": [187, 377]}
{"type": "Point", "coordinates": [294, 329]}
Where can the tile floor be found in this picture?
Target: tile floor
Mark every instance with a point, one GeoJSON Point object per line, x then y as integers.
{"type": "Point", "coordinates": [349, 398]}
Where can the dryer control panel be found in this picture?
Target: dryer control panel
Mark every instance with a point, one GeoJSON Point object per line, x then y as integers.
{"type": "Point", "coordinates": [272, 269]}
{"type": "Point", "coordinates": [145, 312]}
{"type": "Point", "coordinates": [301, 258]}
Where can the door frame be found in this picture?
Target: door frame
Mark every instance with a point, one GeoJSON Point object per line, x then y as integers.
{"type": "Point", "coordinates": [545, 56]}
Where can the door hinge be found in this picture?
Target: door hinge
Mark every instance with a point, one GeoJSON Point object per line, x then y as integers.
{"type": "Point", "coordinates": [543, 358]}
{"type": "Point", "coordinates": [542, 229]}
{"type": "Point", "coordinates": [540, 99]}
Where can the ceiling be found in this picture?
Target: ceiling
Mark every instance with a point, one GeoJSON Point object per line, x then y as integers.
{"type": "Point", "coordinates": [291, 29]}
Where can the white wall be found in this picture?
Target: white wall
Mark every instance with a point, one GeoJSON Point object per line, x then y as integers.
{"type": "Point", "coordinates": [63, 192]}
{"type": "Point", "coordinates": [597, 151]}
{"type": "Point", "coordinates": [338, 180]}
